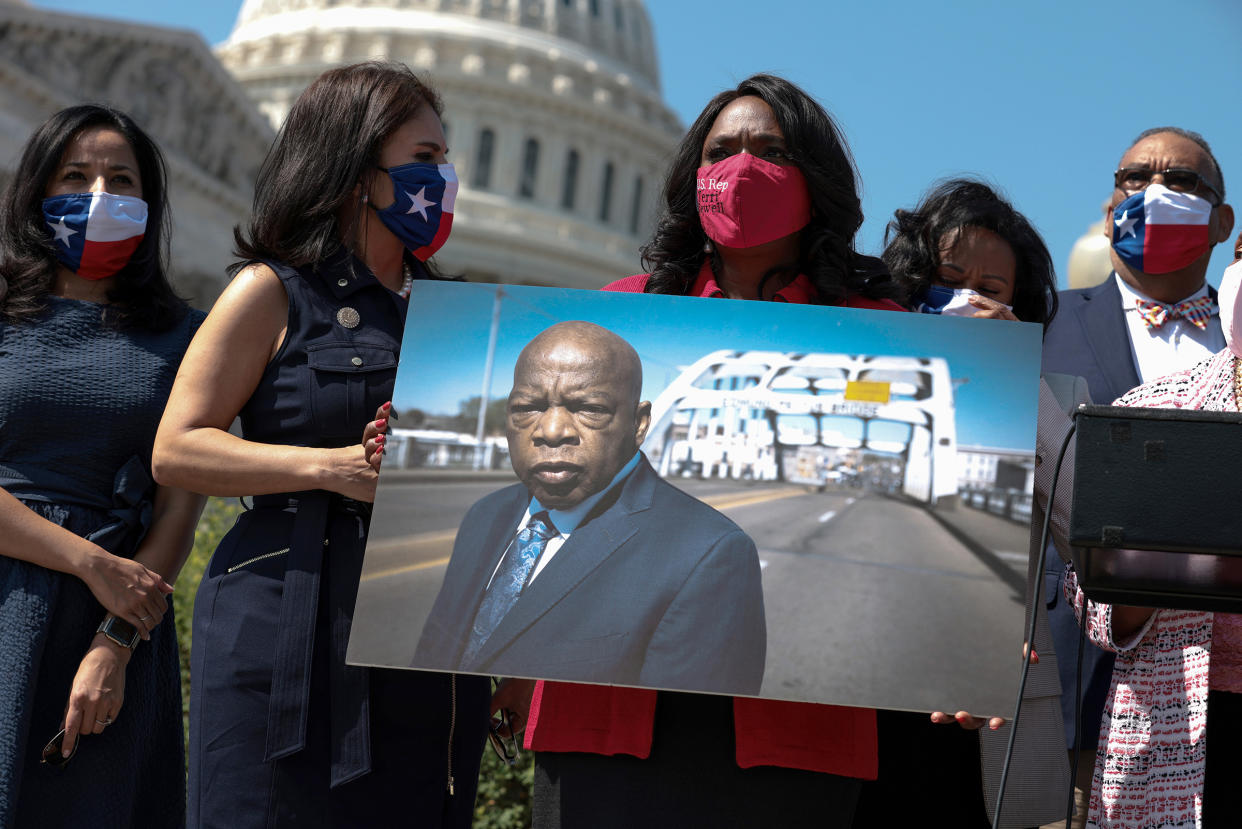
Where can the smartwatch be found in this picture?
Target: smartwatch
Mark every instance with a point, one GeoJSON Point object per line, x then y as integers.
{"type": "Point", "coordinates": [119, 631]}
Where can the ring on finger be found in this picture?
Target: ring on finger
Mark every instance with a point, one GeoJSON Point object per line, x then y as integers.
{"type": "Point", "coordinates": [145, 618]}
{"type": "Point", "coordinates": [106, 721]}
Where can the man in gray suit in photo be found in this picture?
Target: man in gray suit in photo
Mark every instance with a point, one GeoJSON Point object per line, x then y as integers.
{"type": "Point", "coordinates": [593, 568]}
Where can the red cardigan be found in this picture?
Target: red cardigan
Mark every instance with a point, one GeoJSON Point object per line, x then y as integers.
{"type": "Point", "coordinates": [600, 719]}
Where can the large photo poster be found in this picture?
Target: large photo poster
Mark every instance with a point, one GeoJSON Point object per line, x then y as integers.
{"type": "Point", "coordinates": [792, 502]}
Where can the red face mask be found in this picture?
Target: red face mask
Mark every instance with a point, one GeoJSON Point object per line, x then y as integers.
{"type": "Point", "coordinates": [745, 201]}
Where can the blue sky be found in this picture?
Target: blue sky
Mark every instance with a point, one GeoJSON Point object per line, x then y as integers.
{"type": "Point", "coordinates": [1041, 98]}
{"type": "Point", "coordinates": [445, 345]}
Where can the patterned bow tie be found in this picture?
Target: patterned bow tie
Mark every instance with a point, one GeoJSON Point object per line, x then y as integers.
{"type": "Point", "coordinates": [1195, 311]}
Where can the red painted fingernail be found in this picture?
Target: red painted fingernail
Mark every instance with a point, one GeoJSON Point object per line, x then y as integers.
{"type": "Point", "coordinates": [387, 406]}
{"type": "Point", "coordinates": [381, 438]}
{"type": "Point", "coordinates": [380, 424]}
{"type": "Point", "coordinates": [379, 451]}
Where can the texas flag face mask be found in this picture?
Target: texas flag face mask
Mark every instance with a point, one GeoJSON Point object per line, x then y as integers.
{"type": "Point", "coordinates": [421, 214]}
{"type": "Point", "coordinates": [95, 234]}
{"type": "Point", "coordinates": [1159, 230]}
{"type": "Point", "coordinates": [948, 302]}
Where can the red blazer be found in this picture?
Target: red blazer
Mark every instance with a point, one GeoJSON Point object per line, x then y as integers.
{"type": "Point", "coordinates": [600, 719]}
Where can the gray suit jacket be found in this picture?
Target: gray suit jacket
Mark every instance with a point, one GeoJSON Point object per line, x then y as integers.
{"type": "Point", "coordinates": [656, 589]}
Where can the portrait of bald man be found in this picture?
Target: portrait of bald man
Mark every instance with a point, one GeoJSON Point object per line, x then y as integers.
{"type": "Point", "coordinates": [593, 568]}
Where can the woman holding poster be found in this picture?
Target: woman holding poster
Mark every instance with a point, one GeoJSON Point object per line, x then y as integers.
{"type": "Point", "coordinates": [965, 251]}
{"type": "Point", "coordinates": [351, 202]}
{"type": "Point", "coordinates": [761, 202]}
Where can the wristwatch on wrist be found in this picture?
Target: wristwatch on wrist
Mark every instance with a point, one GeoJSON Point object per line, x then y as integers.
{"type": "Point", "coordinates": [119, 631]}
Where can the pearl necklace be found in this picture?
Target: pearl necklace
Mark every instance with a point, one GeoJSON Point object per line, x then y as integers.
{"type": "Point", "coordinates": [407, 281]}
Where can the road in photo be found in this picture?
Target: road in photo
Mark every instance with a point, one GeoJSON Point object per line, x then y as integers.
{"type": "Point", "coordinates": [862, 590]}
{"type": "Point", "coordinates": [868, 591]}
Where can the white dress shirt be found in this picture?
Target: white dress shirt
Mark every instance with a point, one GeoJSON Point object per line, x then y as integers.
{"type": "Point", "coordinates": [565, 521]}
{"type": "Point", "coordinates": [1175, 346]}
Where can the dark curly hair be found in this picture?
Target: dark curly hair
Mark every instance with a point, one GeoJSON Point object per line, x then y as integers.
{"type": "Point", "coordinates": [912, 243]}
{"type": "Point", "coordinates": [141, 296]}
{"type": "Point", "coordinates": [330, 141]}
{"type": "Point", "coordinates": [827, 257]}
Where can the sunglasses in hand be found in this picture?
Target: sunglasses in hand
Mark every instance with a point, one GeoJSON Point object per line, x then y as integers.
{"type": "Point", "coordinates": [503, 740]}
{"type": "Point", "coordinates": [53, 752]}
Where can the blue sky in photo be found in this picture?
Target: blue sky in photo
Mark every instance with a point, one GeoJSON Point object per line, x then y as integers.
{"type": "Point", "coordinates": [445, 345]}
{"type": "Point", "coordinates": [1040, 98]}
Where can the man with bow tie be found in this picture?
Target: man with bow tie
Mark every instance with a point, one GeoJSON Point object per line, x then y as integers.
{"type": "Point", "coordinates": [1156, 313]}
{"type": "Point", "coordinates": [1153, 316]}
{"type": "Point", "coordinates": [593, 568]}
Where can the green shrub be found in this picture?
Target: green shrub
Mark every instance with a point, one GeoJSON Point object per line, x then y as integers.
{"type": "Point", "coordinates": [504, 795]}
{"type": "Point", "coordinates": [218, 517]}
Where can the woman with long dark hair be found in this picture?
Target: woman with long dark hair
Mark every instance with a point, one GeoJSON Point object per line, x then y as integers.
{"type": "Point", "coordinates": [963, 250]}
{"type": "Point", "coordinates": [303, 347]}
{"type": "Point", "coordinates": [761, 202]}
{"type": "Point", "coordinates": [91, 334]}
{"type": "Point", "coordinates": [963, 236]}
{"type": "Point", "coordinates": [818, 253]}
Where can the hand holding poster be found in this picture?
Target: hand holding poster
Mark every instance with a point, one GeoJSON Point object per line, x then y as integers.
{"type": "Point", "coordinates": [743, 498]}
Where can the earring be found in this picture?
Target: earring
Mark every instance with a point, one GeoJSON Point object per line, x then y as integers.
{"type": "Point", "coordinates": [365, 198]}
{"type": "Point", "coordinates": [707, 246]}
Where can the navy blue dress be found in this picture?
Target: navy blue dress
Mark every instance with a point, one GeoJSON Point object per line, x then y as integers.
{"type": "Point", "coordinates": [79, 405]}
{"type": "Point", "coordinates": [282, 731]}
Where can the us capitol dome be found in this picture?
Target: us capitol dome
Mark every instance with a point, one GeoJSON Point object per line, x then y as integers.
{"type": "Point", "coordinates": [553, 114]}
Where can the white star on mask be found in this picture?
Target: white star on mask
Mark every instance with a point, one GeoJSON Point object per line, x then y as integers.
{"type": "Point", "coordinates": [1126, 225]}
{"type": "Point", "coordinates": [62, 231]}
{"type": "Point", "coordinates": [419, 203]}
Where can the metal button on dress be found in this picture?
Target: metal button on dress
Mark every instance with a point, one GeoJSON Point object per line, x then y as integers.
{"type": "Point", "coordinates": [356, 361]}
{"type": "Point", "coordinates": [348, 317]}
{"type": "Point", "coordinates": [342, 282]}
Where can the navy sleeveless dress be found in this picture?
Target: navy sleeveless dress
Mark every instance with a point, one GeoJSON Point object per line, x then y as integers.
{"type": "Point", "coordinates": [282, 731]}
{"type": "Point", "coordinates": [79, 405]}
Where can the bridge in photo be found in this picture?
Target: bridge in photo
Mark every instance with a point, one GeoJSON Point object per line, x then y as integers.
{"type": "Point", "coordinates": [813, 418]}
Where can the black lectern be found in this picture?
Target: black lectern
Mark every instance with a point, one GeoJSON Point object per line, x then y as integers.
{"type": "Point", "coordinates": [1157, 508]}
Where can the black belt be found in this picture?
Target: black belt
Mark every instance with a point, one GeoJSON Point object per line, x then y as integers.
{"type": "Point", "coordinates": [282, 500]}
{"type": "Point", "coordinates": [295, 638]}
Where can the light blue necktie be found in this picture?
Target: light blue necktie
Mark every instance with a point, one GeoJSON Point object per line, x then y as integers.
{"type": "Point", "coordinates": [510, 578]}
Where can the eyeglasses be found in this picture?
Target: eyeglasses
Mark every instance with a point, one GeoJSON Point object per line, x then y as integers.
{"type": "Point", "coordinates": [1133, 179]}
{"type": "Point", "coordinates": [52, 753]}
{"type": "Point", "coordinates": [500, 735]}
